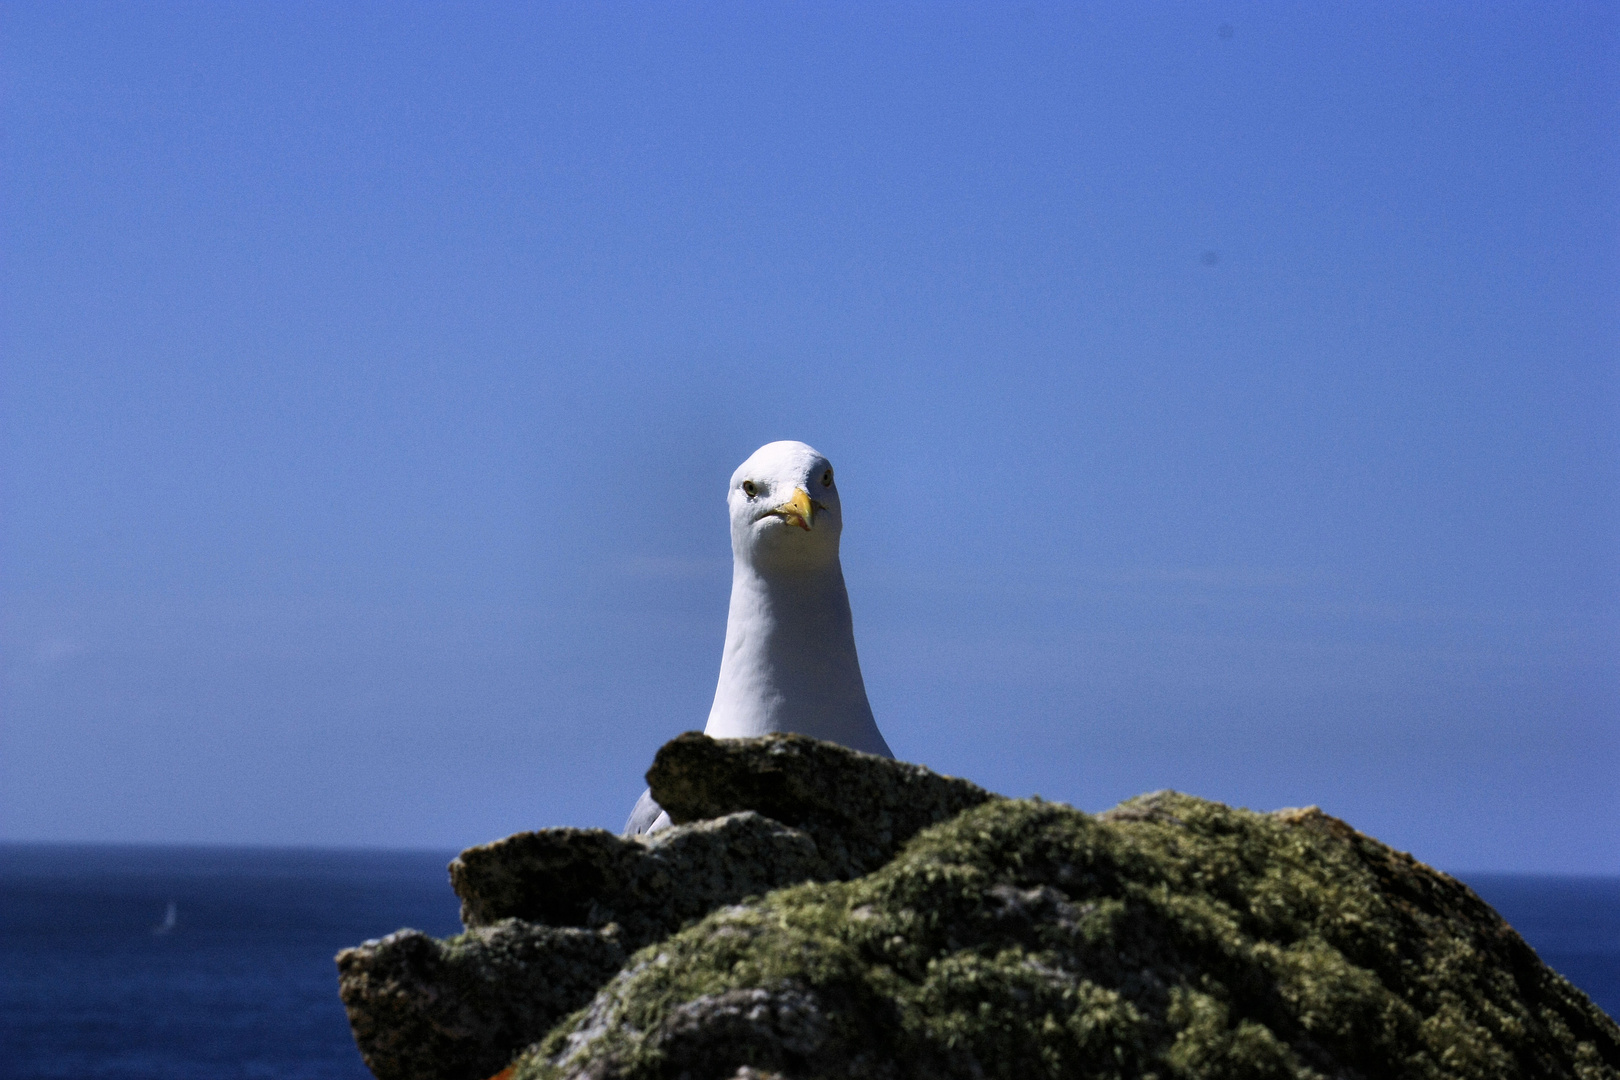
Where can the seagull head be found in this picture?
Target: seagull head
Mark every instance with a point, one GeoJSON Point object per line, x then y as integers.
{"type": "Point", "coordinates": [784, 509]}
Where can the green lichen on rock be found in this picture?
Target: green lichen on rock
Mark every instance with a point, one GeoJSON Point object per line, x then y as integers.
{"type": "Point", "coordinates": [819, 913]}
{"type": "Point", "coordinates": [1170, 938]}
{"type": "Point", "coordinates": [422, 1009]}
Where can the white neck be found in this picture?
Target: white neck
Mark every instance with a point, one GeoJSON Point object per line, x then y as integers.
{"type": "Point", "coordinates": [790, 663]}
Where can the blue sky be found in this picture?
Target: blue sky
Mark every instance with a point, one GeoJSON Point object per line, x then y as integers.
{"type": "Point", "coordinates": [1224, 397]}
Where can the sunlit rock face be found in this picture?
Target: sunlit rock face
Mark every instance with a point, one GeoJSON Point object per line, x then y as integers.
{"type": "Point", "coordinates": [816, 912]}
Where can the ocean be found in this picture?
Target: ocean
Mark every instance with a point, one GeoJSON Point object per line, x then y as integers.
{"type": "Point", "coordinates": [243, 984]}
{"type": "Point", "coordinates": [97, 980]}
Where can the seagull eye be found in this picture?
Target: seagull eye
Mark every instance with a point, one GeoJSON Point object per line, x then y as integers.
{"type": "Point", "coordinates": [750, 489]}
{"type": "Point", "coordinates": [826, 478]}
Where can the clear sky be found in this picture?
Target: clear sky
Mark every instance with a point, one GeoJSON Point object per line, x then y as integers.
{"type": "Point", "coordinates": [1224, 396]}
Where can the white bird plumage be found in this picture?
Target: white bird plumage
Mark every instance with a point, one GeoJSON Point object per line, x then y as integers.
{"type": "Point", "coordinates": [789, 662]}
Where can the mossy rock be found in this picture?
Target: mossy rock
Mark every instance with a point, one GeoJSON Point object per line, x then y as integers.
{"type": "Point", "coordinates": [1172, 937]}
{"type": "Point", "coordinates": [985, 937]}
{"type": "Point", "coordinates": [547, 910]}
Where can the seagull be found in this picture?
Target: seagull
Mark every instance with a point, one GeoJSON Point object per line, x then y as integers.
{"type": "Point", "coordinates": [789, 662]}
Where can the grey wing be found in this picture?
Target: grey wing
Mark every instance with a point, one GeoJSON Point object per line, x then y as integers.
{"type": "Point", "coordinates": [647, 817]}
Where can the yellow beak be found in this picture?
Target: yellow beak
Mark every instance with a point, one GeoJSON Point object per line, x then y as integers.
{"type": "Point", "coordinates": [798, 510]}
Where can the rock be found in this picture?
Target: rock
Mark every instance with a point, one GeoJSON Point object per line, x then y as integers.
{"type": "Point", "coordinates": [1171, 937]}
{"type": "Point", "coordinates": [774, 1029]}
{"type": "Point", "coordinates": [455, 1009]}
{"type": "Point", "coordinates": [648, 885]}
{"type": "Point", "coordinates": [819, 913]}
{"type": "Point", "coordinates": [859, 807]}
{"type": "Point", "coordinates": [423, 1009]}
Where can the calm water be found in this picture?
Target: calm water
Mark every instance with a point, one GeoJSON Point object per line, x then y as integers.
{"type": "Point", "coordinates": [244, 985]}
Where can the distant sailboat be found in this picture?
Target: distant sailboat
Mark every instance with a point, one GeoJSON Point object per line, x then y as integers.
{"type": "Point", "coordinates": [170, 917]}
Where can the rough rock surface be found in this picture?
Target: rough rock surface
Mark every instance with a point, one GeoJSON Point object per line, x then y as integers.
{"type": "Point", "coordinates": [979, 937]}
{"type": "Point", "coordinates": [422, 1009]}
{"type": "Point", "coordinates": [859, 808]}
{"type": "Point", "coordinates": [565, 902]}
{"type": "Point", "coordinates": [648, 885]}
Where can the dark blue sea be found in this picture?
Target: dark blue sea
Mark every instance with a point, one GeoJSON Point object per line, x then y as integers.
{"type": "Point", "coordinates": [242, 985]}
